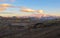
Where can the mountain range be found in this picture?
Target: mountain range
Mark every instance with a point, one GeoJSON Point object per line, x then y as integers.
{"type": "Point", "coordinates": [34, 16]}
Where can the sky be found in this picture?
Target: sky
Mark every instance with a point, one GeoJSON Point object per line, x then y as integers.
{"type": "Point", "coordinates": [51, 7]}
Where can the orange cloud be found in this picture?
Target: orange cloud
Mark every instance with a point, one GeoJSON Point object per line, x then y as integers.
{"type": "Point", "coordinates": [4, 6]}
{"type": "Point", "coordinates": [2, 9]}
{"type": "Point", "coordinates": [31, 10]}
{"type": "Point", "coordinates": [40, 11]}
{"type": "Point", "coordinates": [27, 10]}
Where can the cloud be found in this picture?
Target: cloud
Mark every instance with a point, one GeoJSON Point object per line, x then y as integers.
{"type": "Point", "coordinates": [2, 0]}
{"type": "Point", "coordinates": [27, 10]}
{"type": "Point", "coordinates": [7, 0]}
{"type": "Point", "coordinates": [12, 0]}
{"type": "Point", "coordinates": [31, 10]}
{"type": "Point", "coordinates": [40, 11]}
{"type": "Point", "coordinates": [4, 6]}
{"type": "Point", "coordinates": [2, 9]}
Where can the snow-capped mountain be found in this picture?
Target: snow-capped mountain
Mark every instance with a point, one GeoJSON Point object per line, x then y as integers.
{"type": "Point", "coordinates": [42, 17]}
{"type": "Point", "coordinates": [36, 16]}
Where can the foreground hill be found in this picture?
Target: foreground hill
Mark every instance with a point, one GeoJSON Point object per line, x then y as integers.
{"type": "Point", "coordinates": [28, 28]}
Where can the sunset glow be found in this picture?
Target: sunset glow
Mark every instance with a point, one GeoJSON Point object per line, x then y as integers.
{"type": "Point", "coordinates": [29, 7]}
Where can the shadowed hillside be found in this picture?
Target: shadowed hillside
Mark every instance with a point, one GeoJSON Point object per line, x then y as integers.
{"type": "Point", "coordinates": [13, 27]}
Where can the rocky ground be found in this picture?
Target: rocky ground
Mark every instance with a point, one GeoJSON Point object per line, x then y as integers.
{"type": "Point", "coordinates": [48, 32]}
{"type": "Point", "coordinates": [47, 29]}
